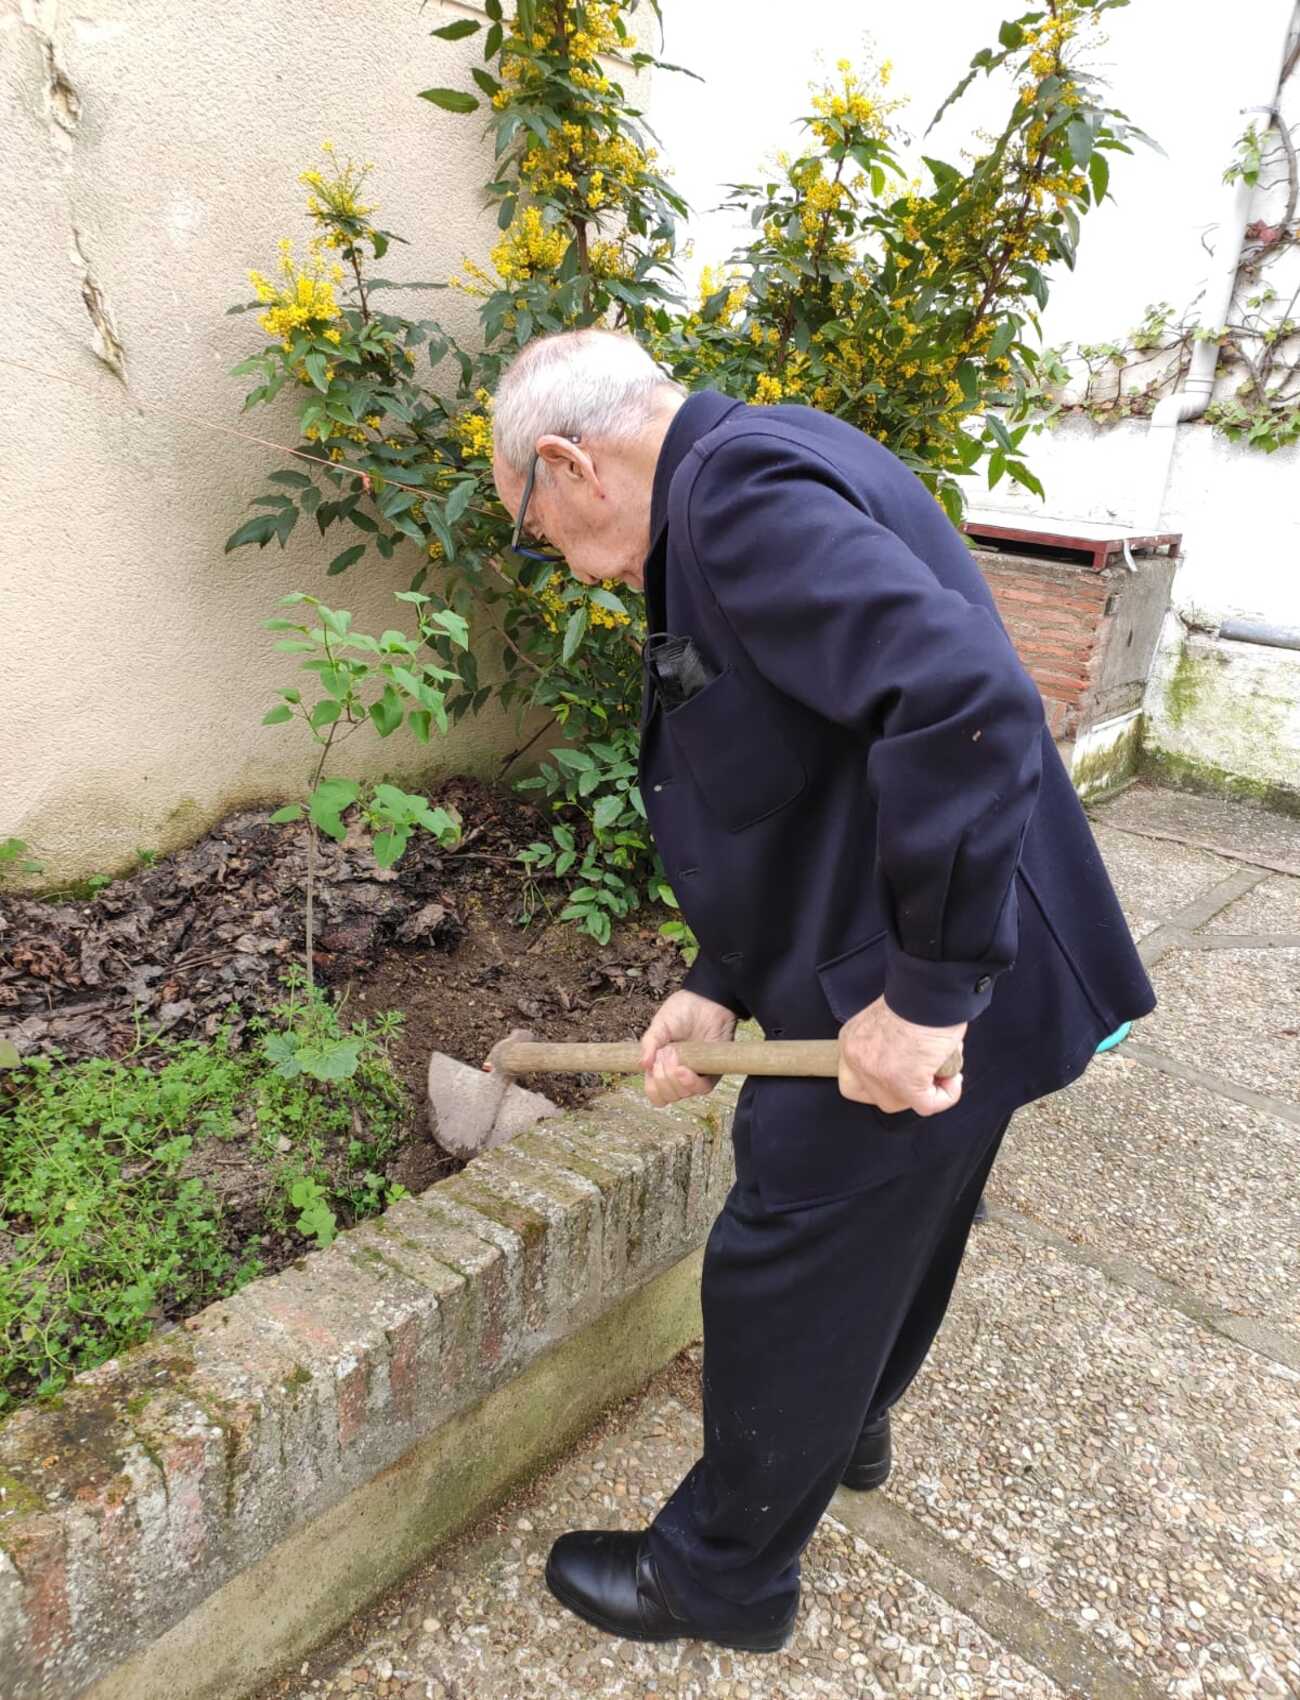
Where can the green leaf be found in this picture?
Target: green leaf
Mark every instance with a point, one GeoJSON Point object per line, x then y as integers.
{"type": "Point", "coordinates": [606, 812]}
{"type": "Point", "coordinates": [1003, 337]}
{"type": "Point", "coordinates": [1099, 172]}
{"type": "Point", "coordinates": [451, 100]}
{"type": "Point", "coordinates": [1020, 472]}
{"type": "Point", "coordinates": [577, 761]}
{"type": "Point", "coordinates": [607, 599]}
{"type": "Point", "coordinates": [460, 499]}
{"type": "Point", "coordinates": [1011, 35]}
{"type": "Point", "coordinates": [1078, 135]}
{"type": "Point", "coordinates": [325, 713]}
{"type": "Point", "coordinates": [9, 1054]}
{"type": "Point", "coordinates": [459, 30]}
{"type": "Point", "coordinates": [456, 628]}
{"type": "Point", "coordinates": [260, 530]}
{"type": "Point", "coordinates": [495, 36]}
{"type": "Point", "coordinates": [299, 480]}
{"type": "Point", "coordinates": [278, 715]}
{"type": "Point", "coordinates": [315, 364]}
{"type": "Point", "coordinates": [290, 812]}
{"type": "Point", "coordinates": [487, 83]}
{"type": "Point", "coordinates": [347, 558]}
{"type": "Point", "coordinates": [574, 633]}
{"type": "Point", "coordinates": [388, 846]}
{"type": "Point", "coordinates": [998, 431]}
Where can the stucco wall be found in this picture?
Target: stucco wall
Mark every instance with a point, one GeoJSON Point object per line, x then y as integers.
{"type": "Point", "coordinates": [154, 147]}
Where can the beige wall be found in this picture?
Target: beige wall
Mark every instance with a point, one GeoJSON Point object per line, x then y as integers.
{"type": "Point", "coordinates": [154, 146]}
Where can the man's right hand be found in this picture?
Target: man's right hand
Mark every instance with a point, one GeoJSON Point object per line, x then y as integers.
{"type": "Point", "coordinates": [685, 1015]}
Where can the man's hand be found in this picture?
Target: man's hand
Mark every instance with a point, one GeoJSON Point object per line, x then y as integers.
{"type": "Point", "coordinates": [685, 1015]}
{"type": "Point", "coordinates": [891, 1063]}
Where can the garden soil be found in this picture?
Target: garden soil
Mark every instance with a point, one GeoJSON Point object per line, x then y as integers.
{"type": "Point", "coordinates": [200, 940]}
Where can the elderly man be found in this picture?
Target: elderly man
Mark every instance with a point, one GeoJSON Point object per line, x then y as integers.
{"type": "Point", "coordinates": [849, 779]}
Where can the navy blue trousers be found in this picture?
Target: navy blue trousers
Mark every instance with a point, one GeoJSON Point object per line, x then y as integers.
{"type": "Point", "coordinates": [815, 1320]}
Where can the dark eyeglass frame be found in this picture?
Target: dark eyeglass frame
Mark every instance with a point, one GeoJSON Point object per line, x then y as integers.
{"type": "Point", "coordinates": [516, 546]}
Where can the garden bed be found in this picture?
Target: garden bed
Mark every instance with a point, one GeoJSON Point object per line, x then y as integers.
{"type": "Point", "coordinates": [163, 1150]}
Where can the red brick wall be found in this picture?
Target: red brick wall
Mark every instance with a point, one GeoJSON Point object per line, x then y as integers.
{"type": "Point", "coordinates": [1056, 615]}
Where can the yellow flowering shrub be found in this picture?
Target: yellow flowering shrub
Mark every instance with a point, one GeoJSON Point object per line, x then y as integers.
{"type": "Point", "coordinates": [908, 307]}
{"type": "Point", "coordinates": [905, 307]}
{"type": "Point", "coordinates": [302, 298]}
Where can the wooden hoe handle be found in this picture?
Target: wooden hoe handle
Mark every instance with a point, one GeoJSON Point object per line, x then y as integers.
{"type": "Point", "coordinates": [818, 1058]}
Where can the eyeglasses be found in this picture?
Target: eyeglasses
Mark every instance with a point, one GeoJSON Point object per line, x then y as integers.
{"type": "Point", "coordinates": [516, 546]}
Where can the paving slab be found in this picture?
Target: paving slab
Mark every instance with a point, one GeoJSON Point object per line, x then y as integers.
{"type": "Point", "coordinates": [1230, 824]}
{"type": "Point", "coordinates": [1272, 907]}
{"type": "Point", "coordinates": [1097, 1483]}
{"type": "Point", "coordinates": [1133, 1475]}
{"type": "Point", "coordinates": [480, 1625]}
{"type": "Point", "coordinates": [1153, 878]}
{"type": "Point", "coordinates": [1233, 1013]}
{"type": "Point", "coordinates": [1190, 1185]}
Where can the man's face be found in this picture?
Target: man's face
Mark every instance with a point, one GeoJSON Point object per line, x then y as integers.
{"type": "Point", "coordinates": [592, 511]}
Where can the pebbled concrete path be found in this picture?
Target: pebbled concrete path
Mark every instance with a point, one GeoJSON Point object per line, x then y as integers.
{"type": "Point", "coordinates": [1096, 1491]}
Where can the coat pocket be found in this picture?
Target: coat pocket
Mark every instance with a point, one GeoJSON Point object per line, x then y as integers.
{"type": "Point", "coordinates": [730, 737]}
{"type": "Point", "coordinates": [849, 983]}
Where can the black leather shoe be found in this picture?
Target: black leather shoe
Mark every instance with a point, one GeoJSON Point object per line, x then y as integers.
{"type": "Point", "coordinates": [607, 1577]}
{"type": "Point", "coordinates": [872, 1457]}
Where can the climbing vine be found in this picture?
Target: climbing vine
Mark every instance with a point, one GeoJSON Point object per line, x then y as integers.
{"type": "Point", "coordinates": [1258, 393]}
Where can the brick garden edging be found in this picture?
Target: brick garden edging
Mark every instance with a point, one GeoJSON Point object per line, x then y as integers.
{"type": "Point", "coordinates": [195, 1514]}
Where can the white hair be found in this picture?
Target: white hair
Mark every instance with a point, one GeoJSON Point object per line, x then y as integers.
{"type": "Point", "coordinates": [593, 384]}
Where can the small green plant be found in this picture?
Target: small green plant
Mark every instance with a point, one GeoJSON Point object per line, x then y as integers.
{"type": "Point", "coordinates": [364, 680]}
{"type": "Point", "coordinates": [15, 860]}
{"type": "Point", "coordinates": [328, 1111]}
{"type": "Point", "coordinates": [604, 843]}
{"type": "Point", "coordinates": [106, 1220]}
{"type": "Point", "coordinates": [100, 1223]}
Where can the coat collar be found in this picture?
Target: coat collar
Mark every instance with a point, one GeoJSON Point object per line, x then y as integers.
{"type": "Point", "coordinates": [694, 419]}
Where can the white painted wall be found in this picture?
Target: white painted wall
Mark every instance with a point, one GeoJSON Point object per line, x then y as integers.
{"type": "Point", "coordinates": [135, 668]}
{"type": "Point", "coordinates": [1182, 81]}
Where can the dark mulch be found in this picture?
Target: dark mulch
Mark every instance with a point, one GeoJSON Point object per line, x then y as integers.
{"type": "Point", "coordinates": [202, 938]}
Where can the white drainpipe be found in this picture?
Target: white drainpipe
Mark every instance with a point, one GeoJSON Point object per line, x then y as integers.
{"type": "Point", "coordinates": [1192, 400]}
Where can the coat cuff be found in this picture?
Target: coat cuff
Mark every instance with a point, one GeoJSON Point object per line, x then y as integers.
{"type": "Point", "coordinates": [935, 994]}
{"type": "Point", "coordinates": [706, 981]}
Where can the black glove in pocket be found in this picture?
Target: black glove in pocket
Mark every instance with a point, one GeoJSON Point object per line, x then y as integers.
{"type": "Point", "coordinates": [677, 668]}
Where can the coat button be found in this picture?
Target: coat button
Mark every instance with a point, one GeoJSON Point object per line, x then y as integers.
{"type": "Point", "coordinates": [983, 983]}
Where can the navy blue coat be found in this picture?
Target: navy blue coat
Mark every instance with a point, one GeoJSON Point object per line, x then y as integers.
{"type": "Point", "coordinates": [865, 800]}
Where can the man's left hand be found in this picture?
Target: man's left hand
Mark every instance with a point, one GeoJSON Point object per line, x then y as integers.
{"type": "Point", "coordinates": [892, 1063]}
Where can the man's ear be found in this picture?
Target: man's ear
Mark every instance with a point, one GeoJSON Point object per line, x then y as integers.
{"type": "Point", "coordinates": [568, 459]}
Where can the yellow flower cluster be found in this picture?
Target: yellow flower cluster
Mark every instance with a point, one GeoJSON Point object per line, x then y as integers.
{"type": "Point", "coordinates": [712, 281]}
{"type": "Point", "coordinates": [473, 431]}
{"type": "Point", "coordinates": [529, 246]}
{"type": "Point", "coordinates": [556, 610]}
{"type": "Point", "coordinates": [597, 33]}
{"type": "Point", "coordinates": [853, 103]}
{"type": "Point", "coordinates": [768, 389]}
{"type": "Point", "coordinates": [819, 199]}
{"type": "Point", "coordinates": [303, 298]}
{"type": "Point", "coordinates": [612, 165]}
{"type": "Point", "coordinates": [336, 195]}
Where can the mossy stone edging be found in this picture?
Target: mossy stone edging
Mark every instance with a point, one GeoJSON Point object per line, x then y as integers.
{"type": "Point", "coordinates": [358, 1407]}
